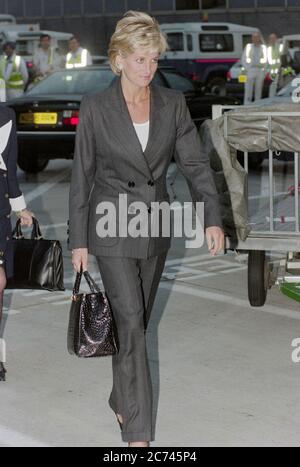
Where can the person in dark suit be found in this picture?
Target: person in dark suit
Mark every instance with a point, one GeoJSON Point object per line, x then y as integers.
{"type": "Point", "coordinates": [126, 139]}
{"type": "Point", "coordinates": [11, 199]}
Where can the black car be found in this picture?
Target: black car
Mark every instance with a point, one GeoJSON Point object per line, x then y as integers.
{"type": "Point", "coordinates": [48, 114]}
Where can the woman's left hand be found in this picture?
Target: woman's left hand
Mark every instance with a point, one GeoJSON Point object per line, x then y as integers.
{"type": "Point", "coordinates": [215, 239]}
{"type": "Point", "coordinates": [26, 217]}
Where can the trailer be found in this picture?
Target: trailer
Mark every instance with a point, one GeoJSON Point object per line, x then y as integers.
{"type": "Point", "coordinates": [272, 223]}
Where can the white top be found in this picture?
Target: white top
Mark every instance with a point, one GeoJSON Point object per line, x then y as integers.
{"type": "Point", "coordinates": [41, 61]}
{"type": "Point", "coordinates": [142, 131]}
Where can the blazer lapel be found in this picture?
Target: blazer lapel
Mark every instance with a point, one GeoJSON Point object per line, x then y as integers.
{"type": "Point", "coordinates": [5, 131]}
{"type": "Point", "coordinates": [125, 131]}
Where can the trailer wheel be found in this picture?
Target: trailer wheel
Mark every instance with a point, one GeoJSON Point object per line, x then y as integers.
{"type": "Point", "coordinates": [258, 273]}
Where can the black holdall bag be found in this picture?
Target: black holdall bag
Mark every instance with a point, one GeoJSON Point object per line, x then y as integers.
{"type": "Point", "coordinates": [91, 331]}
{"type": "Point", "coordinates": [38, 262]}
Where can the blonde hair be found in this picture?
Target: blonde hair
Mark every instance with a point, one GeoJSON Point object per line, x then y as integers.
{"type": "Point", "coordinates": [135, 30]}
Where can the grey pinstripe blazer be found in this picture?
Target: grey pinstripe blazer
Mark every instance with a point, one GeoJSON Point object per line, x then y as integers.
{"type": "Point", "coordinates": [109, 161]}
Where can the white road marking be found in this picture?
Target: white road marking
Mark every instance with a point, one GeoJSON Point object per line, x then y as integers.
{"type": "Point", "coordinates": [62, 302]}
{"type": "Point", "coordinates": [230, 300]}
{"type": "Point", "coordinates": [34, 293]}
{"type": "Point", "coordinates": [10, 312]}
{"type": "Point", "coordinates": [12, 438]}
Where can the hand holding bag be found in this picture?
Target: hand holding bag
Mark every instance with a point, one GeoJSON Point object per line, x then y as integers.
{"type": "Point", "coordinates": [38, 263]}
{"type": "Point", "coordinates": [91, 331]}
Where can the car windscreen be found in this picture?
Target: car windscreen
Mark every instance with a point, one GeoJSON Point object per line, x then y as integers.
{"type": "Point", "coordinates": [74, 82]}
{"type": "Point", "coordinates": [178, 82]}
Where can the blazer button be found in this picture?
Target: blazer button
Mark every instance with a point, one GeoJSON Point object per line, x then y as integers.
{"type": "Point", "coordinates": [4, 175]}
{"type": "Point", "coordinates": [7, 238]}
{"type": "Point", "coordinates": [6, 195]}
{"type": "Point", "coordinates": [131, 184]}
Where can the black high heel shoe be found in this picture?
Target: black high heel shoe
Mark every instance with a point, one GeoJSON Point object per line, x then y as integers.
{"type": "Point", "coordinates": [2, 372]}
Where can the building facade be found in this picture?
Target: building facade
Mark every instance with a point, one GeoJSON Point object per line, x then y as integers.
{"type": "Point", "coordinates": [94, 20]}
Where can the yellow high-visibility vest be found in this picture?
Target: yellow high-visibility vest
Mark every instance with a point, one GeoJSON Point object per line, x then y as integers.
{"type": "Point", "coordinates": [15, 80]}
{"type": "Point", "coordinates": [274, 54]}
{"type": "Point", "coordinates": [77, 61]}
{"type": "Point", "coordinates": [274, 58]}
{"type": "Point", "coordinates": [264, 54]}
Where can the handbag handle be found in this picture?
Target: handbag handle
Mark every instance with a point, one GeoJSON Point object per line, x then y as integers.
{"type": "Point", "coordinates": [36, 233]}
{"type": "Point", "coordinates": [91, 283]}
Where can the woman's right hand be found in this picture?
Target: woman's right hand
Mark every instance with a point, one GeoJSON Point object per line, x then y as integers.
{"type": "Point", "coordinates": [80, 259]}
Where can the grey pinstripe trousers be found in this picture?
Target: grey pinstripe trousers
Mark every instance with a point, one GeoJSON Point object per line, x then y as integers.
{"type": "Point", "coordinates": [131, 285]}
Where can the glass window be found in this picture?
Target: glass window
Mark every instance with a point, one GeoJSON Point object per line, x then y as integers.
{"type": "Point", "coordinates": [206, 4]}
{"type": "Point", "coordinates": [178, 82]}
{"type": "Point", "coordinates": [33, 8]}
{"type": "Point", "coordinates": [25, 48]}
{"type": "Point", "coordinates": [247, 39]}
{"type": "Point", "coordinates": [189, 39]}
{"type": "Point", "coordinates": [175, 41]}
{"type": "Point", "coordinates": [114, 6]}
{"type": "Point", "coordinates": [161, 5]}
{"type": "Point", "coordinates": [53, 8]}
{"type": "Point", "coordinates": [15, 7]}
{"type": "Point", "coordinates": [241, 3]}
{"type": "Point", "coordinates": [92, 7]}
{"type": "Point", "coordinates": [216, 42]}
{"type": "Point", "coordinates": [270, 3]}
{"type": "Point", "coordinates": [187, 4]}
{"type": "Point", "coordinates": [71, 7]}
{"type": "Point", "coordinates": [74, 82]}
{"type": "Point", "coordinates": [137, 5]}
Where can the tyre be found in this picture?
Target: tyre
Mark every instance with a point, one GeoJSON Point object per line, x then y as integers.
{"type": "Point", "coordinates": [32, 165]}
{"type": "Point", "coordinates": [258, 278]}
{"type": "Point", "coordinates": [217, 86]}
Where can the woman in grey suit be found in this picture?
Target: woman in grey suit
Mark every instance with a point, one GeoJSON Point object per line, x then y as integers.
{"type": "Point", "coordinates": [125, 141]}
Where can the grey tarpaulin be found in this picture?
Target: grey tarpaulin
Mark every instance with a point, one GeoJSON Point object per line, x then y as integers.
{"type": "Point", "coordinates": [239, 130]}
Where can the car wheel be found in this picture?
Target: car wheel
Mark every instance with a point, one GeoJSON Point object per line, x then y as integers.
{"type": "Point", "coordinates": [32, 165]}
{"type": "Point", "coordinates": [217, 86]}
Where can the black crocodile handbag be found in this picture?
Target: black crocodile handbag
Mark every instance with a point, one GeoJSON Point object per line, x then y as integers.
{"type": "Point", "coordinates": [38, 262]}
{"type": "Point", "coordinates": [91, 331]}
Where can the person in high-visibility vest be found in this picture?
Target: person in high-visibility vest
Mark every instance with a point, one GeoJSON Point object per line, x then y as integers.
{"type": "Point", "coordinates": [45, 59]}
{"type": "Point", "coordinates": [275, 51]}
{"type": "Point", "coordinates": [255, 61]}
{"type": "Point", "coordinates": [77, 57]}
{"type": "Point", "coordinates": [13, 71]}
